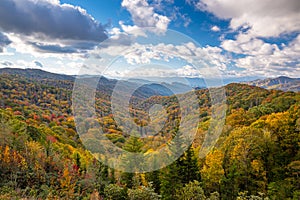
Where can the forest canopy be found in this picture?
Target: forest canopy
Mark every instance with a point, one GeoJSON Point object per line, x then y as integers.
{"type": "Point", "coordinates": [41, 155]}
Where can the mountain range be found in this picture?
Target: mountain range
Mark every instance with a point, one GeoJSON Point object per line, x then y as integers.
{"type": "Point", "coordinates": [280, 83]}
{"type": "Point", "coordinates": [155, 85]}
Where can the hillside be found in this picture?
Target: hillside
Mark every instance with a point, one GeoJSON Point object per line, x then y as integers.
{"type": "Point", "coordinates": [42, 156]}
{"type": "Point", "coordinates": [36, 74]}
{"type": "Point", "coordinates": [280, 83]}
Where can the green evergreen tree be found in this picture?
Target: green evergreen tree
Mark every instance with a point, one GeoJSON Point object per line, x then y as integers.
{"type": "Point", "coordinates": [171, 176]}
{"type": "Point", "coordinates": [189, 168]}
{"type": "Point", "coordinates": [170, 181]}
{"type": "Point", "coordinates": [153, 177]}
{"type": "Point", "coordinates": [134, 145]}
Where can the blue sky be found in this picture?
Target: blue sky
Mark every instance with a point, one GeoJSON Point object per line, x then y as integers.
{"type": "Point", "coordinates": [247, 38]}
{"type": "Point", "coordinates": [188, 20]}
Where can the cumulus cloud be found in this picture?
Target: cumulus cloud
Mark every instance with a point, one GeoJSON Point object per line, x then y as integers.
{"type": "Point", "coordinates": [285, 61]}
{"type": "Point", "coordinates": [260, 58]}
{"type": "Point", "coordinates": [245, 44]}
{"type": "Point", "coordinates": [254, 21]}
{"type": "Point", "coordinates": [188, 71]}
{"type": "Point", "coordinates": [201, 60]}
{"type": "Point", "coordinates": [46, 26]}
{"type": "Point", "coordinates": [133, 30]}
{"type": "Point", "coordinates": [49, 20]}
{"type": "Point", "coordinates": [268, 18]}
{"type": "Point", "coordinates": [143, 16]}
{"type": "Point", "coordinates": [4, 41]}
{"type": "Point", "coordinates": [155, 71]}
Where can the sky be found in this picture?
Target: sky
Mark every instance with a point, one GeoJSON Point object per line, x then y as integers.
{"type": "Point", "coordinates": [143, 38]}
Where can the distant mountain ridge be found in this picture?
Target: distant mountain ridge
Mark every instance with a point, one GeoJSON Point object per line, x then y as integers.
{"type": "Point", "coordinates": [283, 83]}
{"type": "Point", "coordinates": [145, 89]}
{"type": "Point", "coordinates": [36, 74]}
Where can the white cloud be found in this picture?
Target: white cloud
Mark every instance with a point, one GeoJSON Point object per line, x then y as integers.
{"type": "Point", "coordinates": [151, 71]}
{"type": "Point", "coordinates": [133, 30]}
{"type": "Point", "coordinates": [215, 29]}
{"type": "Point", "coordinates": [284, 61]}
{"type": "Point", "coordinates": [143, 16]}
{"type": "Point", "coordinates": [267, 18]}
{"type": "Point", "coordinates": [265, 59]}
{"type": "Point", "coordinates": [244, 44]}
{"type": "Point", "coordinates": [261, 58]}
{"type": "Point", "coordinates": [255, 20]}
{"type": "Point", "coordinates": [66, 66]}
{"type": "Point", "coordinates": [114, 31]}
{"type": "Point", "coordinates": [56, 2]}
{"type": "Point", "coordinates": [202, 60]}
{"type": "Point", "coordinates": [31, 46]}
{"type": "Point", "coordinates": [188, 71]}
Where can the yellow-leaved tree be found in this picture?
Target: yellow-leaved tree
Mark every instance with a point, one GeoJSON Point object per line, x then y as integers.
{"type": "Point", "coordinates": [212, 171]}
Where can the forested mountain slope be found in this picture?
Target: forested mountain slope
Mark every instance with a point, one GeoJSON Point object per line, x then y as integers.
{"type": "Point", "coordinates": [41, 155]}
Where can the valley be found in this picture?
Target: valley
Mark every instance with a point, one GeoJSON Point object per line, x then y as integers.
{"type": "Point", "coordinates": [42, 156]}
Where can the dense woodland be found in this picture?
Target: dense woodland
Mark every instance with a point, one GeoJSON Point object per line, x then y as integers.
{"type": "Point", "coordinates": [42, 157]}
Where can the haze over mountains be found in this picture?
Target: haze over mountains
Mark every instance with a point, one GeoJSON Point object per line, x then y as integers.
{"type": "Point", "coordinates": [144, 89]}
{"type": "Point", "coordinates": [165, 86]}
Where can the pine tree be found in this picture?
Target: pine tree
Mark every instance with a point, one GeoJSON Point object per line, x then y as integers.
{"type": "Point", "coordinates": [171, 177]}
{"type": "Point", "coordinates": [170, 181]}
{"type": "Point", "coordinates": [189, 166]}
{"type": "Point", "coordinates": [153, 177]}
{"type": "Point", "coordinates": [134, 145]}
